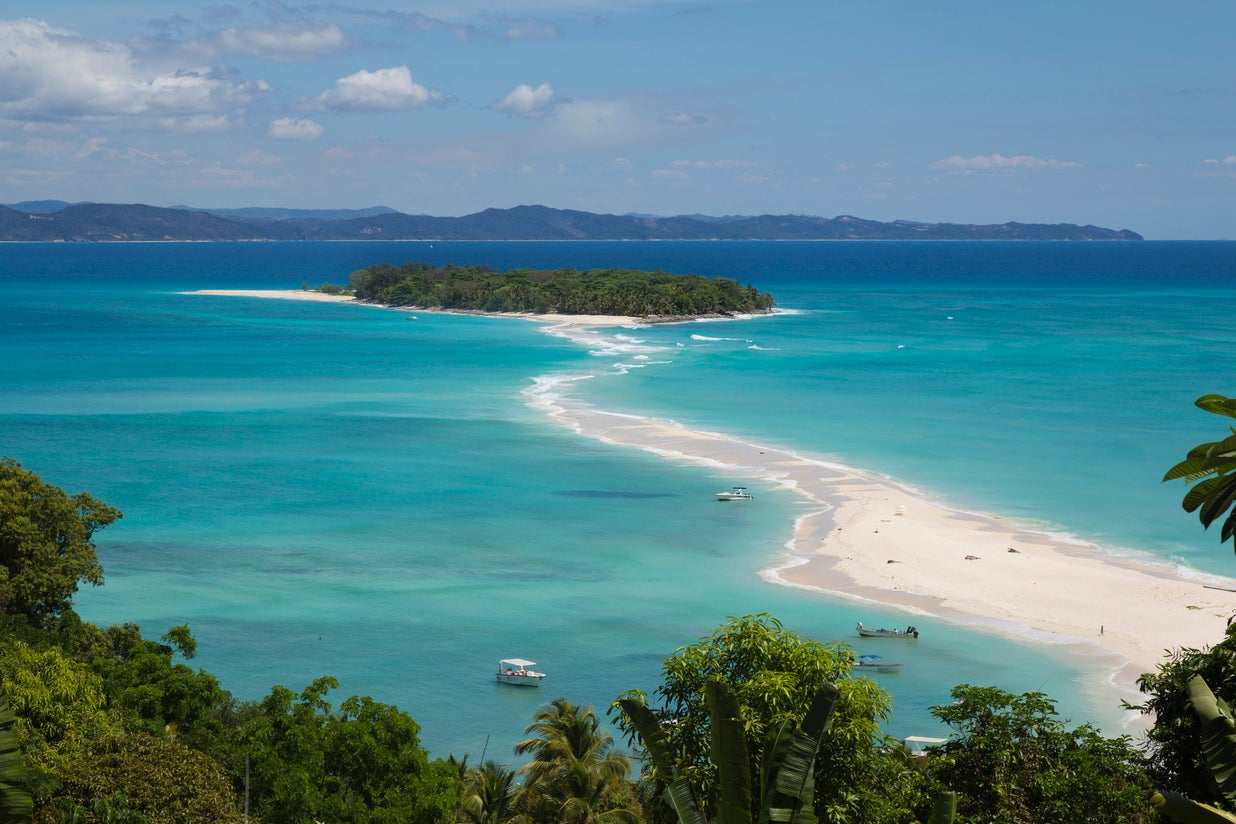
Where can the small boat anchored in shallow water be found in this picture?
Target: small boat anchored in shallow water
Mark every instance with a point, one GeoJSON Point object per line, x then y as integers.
{"type": "Point", "coordinates": [868, 632]}
{"type": "Point", "coordinates": [519, 672]}
{"type": "Point", "coordinates": [874, 663]}
{"type": "Point", "coordinates": [738, 493]}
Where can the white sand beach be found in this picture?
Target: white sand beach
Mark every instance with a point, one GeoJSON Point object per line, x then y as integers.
{"type": "Point", "coordinates": [865, 538]}
{"type": "Point", "coordinates": [871, 540]}
{"type": "Point", "coordinates": [303, 294]}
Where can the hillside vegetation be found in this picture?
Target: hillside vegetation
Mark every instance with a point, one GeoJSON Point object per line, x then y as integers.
{"type": "Point", "coordinates": [564, 291]}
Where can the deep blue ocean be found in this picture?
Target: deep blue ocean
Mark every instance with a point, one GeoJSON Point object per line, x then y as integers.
{"type": "Point", "coordinates": [324, 489]}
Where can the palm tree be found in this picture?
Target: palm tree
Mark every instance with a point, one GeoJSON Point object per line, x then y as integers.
{"type": "Point", "coordinates": [575, 769]}
{"type": "Point", "coordinates": [490, 795]}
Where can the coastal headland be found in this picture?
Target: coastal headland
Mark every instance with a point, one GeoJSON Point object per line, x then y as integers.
{"type": "Point", "coordinates": [868, 539]}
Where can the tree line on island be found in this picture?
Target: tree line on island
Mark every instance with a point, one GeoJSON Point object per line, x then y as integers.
{"type": "Point", "coordinates": [751, 723]}
{"type": "Point", "coordinates": [626, 292]}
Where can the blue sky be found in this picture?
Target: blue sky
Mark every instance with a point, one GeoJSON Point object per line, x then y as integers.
{"type": "Point", "coordinates": [1119, 114]}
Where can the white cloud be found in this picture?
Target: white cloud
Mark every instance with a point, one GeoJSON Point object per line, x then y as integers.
{"type": "Point", "coordinates": [385, 90]}
{"type": "Point", "coordinates": [284, 42]}
{"type": "Point", "coordinates": [683, 119]}
{"type": "Point", "coordinates": [998, 162]}
{"type": "Point", "coordinates": [717, 164]}
{"type": "Point", "coordinates": [1230, 160]}
{"type": "Point", "coordinates": [257, 157]}
{"type": "Point", "coordinates": [530, 28]}
{"type": "Point", "coordinates": [846, 167]}
{"type": "Point", "coordinates": [525, 101]}
{"type": "Point", "coordinates": [292, 128]}
{"type": "Point", "coordinates": [53, 74]}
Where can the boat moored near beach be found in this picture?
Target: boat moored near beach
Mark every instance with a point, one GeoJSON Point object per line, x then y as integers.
{"type": "Point", "coordinates": [738, 493]}
{"type": "Point", "coordinates": [869, 632]}
{"type": "Point", "coordinates": [519, 672]}
{"type": "Point", "coordinates": [874, 663]}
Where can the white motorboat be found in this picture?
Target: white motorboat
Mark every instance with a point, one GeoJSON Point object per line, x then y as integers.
{"type": "Point", "coordinates": [519, 672]}
{"type": "Point", "coordinates": [738, 493]}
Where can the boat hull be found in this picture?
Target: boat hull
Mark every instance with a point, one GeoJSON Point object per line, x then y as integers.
{"type": "Point", "coordinates": [868, 632]}
{"type": "Point", "coordinates": [533, 680]}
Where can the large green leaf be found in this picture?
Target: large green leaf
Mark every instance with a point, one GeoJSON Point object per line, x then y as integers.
{"type": "Point", "coordinates": [680, 797]}
{"type": "Point", "coordinates": [944, 810]}
{"type": "Point", "coordinates": [729, 754]}
{"type": "Point", "coordinates": [1217, 404]}
{"type": "Point", "coordinates": [1187, 811]}
{"type": "Point", "coordinates": [15, 803]}
{"type": "Point", "coordinates": [678, 793]}
{"type": "Point", "coordinates": [1218, 734]}
{"type": "Point", "coordinates": [648, 726]}
{"type": "Point", "coordinates": [788, 792]}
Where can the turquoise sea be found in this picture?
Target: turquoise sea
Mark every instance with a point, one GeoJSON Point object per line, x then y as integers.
{"type": "Point", "coordinates": [324, 489]}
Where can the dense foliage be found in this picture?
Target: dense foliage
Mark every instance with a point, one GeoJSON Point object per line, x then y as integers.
{"type": "Point", "coordinates": [1176, 759]}
{"type": "Point", "coordinates": [776, 674]}
{"type": "Point", "coordinates": [45, 543]}
{"type": "Point", "coordinates": [566, 291]}
{"type": "Point", "coordinates": [1014, 761]}
{"type": "Point", "coordinates": [115, 727]}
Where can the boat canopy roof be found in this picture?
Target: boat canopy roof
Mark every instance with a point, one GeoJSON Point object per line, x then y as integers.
{"type": "Point", "coordinates": [518, 662]}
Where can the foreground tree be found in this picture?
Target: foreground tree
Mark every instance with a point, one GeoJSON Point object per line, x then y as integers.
{"type": "Point", "coordinates": [1177, 761]}
{"type": "Point", "coordinates": [1211, 468]}
{"type": "Point", "coordinates": [1015, 762]}
{"type": "Point", "coordinates": [575, 775]}
{"type": "Point", "coordinates": [775, 674]}
{"type": "Point", "coordinates": [363, 763]}
{"type": "Point", "coordinates": [161, 781]}
{"type": "Point", "coordinates": [46, 544]}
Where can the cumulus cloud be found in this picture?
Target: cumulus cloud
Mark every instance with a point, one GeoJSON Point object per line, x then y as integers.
{"type": "Point", "coordinates": [525, 101]}
{"type": "Point", "coordinates": [291, 128]}
{"type": "Point", "coordinates": [1230, 160]}
{"type": "Point", "coordinates": [48, 73]}
{"type": "Point", "coordinates": [385, 90]}
{"type": "Point", "coordinates": [998, 162]}
{"type": "Point", "coordinates": [288, 42]}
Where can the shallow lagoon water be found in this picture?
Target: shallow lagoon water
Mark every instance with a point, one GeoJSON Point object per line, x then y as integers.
{"type": "Point", "coordinates": [323, 489]}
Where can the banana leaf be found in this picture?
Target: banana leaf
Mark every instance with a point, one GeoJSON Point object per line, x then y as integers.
{"type": "Point", "coordinates": [16, 806]}
{"type": "Point", "coordinates": [729, 754]}
{"type": "Point", "coordinates": [1187, 811]}
{"type": "Point", "coordinates": [788, 769]}
{"type": "Point", "coordinates": [1218, 734]}
{"type": "Point", "coordinates": [678, 793]}
{"type": "Point", "coordinates": [944, 810]}
{"type": "Point", "coordinates": [648, 726]}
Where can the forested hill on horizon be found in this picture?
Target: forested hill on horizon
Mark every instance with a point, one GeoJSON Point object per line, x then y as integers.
{"type": "Point", "coordinates": [50, 220]}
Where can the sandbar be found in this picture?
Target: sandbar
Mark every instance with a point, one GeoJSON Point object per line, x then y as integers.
{"type": "Point", "coordinates": [305, 294]}
{"type": "Point", "coordinates": [869, 539]}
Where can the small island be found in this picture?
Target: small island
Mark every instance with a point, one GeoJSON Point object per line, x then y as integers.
{"type": "Point", "coordinates": [648, 296]}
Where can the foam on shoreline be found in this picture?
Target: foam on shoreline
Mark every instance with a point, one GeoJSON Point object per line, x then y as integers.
{"type": "Point", "coordinates": [868, 539]}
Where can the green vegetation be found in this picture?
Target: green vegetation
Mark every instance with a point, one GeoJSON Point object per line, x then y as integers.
{"type": "Point", "coordinates": [566, 291]}
{"type": "Point", "coordinates": [751, 723]}
{"type": "Point", "coordinates": [1211, 467]}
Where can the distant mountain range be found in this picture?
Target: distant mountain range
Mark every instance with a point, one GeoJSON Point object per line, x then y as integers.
{"type": "Point", "coordinates": [52, 220]}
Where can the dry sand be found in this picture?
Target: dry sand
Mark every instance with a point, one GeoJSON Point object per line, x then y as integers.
{"type": "Point", "coordinates": [865, 538]}
{"type": "Point", "coordinates": [302, 294]}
